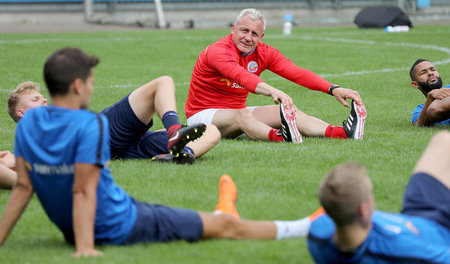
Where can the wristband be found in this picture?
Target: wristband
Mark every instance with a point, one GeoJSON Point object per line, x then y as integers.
{"type": "Point", "coordinates": [332, 87]}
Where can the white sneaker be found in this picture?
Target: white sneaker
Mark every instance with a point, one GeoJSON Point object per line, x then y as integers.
{"type": "Point", "coordinates": [289, 128]}
{"type": "Point", "coordinates": [354, 125]}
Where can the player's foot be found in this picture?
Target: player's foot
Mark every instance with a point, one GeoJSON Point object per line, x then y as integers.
{"type": "Point", "coordinates": [289, 126]}
{"type": "Point", "coordinates": [354, 125]}
{"type": "Point", "coordinates": [227, 196]}
{"type": "Point", "coordinates": [179, 158]}
{"type": "Point", "coordinates": [183, 135]}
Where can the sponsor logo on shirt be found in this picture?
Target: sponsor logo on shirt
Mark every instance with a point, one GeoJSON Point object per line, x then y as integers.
{"type": "Point", "coordinates": [61, 169]}
{"type": "Point", "coordinates": [252, 66]}
{"type": "Point", "coordinates": [226, 80]}
{"type": "Point", "coordinates": [234, 85]}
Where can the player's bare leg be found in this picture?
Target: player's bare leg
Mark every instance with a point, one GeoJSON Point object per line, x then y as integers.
{"type": "Point", "coordinates": [308, 125]}
{"type": "Point", "coordinates": [233, 122]}
{"type": "Point", "coordinates": [228, 226]}
{"type": "Point", "coordinates": [157, 96]}
{"type": "Point", "coordinates": [435, 160]}
{"type": "Point", "coordinates": [225, 222]}
{"type": "Point", "coordinates": [205, 142]}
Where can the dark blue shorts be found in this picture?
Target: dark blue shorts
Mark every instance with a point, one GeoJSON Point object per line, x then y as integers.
{"type": "Point", "coordinates": [158, 223]}
{"type": "Point", "coordinates": [427, 197]}
{"type": "Point", "coordinates": [129, 137]}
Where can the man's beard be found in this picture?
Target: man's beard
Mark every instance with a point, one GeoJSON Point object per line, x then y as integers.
{"type": "Point", "coordinates": [427, 87]}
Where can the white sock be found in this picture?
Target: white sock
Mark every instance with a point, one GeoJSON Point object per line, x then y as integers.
{"type": "Point", "coordinates": [291, 229]}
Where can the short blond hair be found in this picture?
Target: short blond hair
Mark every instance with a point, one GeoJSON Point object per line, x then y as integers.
{"type": "Point", "coordinates": [14, 97]}
{"type": "Point", "coordinates": [343, 190]}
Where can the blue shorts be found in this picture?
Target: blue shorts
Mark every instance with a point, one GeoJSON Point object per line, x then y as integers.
{"type": "Point", "coordinates": [129, 137]}
{"type": "Point", "coordinates": [158, 223]}
{"type": "Point", "coordinates": [427, 197]}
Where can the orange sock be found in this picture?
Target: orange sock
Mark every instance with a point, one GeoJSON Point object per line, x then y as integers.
{"type": "Point", "coordinates": [227, 196]}
{"type": "Point", "coordinates": [335, 132]}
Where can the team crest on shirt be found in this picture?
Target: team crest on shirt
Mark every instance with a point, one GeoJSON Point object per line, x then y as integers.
{"type": "Point", "coordinates": [252, 66]}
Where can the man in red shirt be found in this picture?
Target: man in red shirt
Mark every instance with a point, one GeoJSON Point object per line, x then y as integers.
{"type": "Point", "coordinates": [227, 70]}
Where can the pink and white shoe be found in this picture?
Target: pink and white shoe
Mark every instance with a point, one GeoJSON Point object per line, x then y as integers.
{"type": "Point", "coordinates": [289, 128]}
{"type": "Point", "coordinates": [354, 125]}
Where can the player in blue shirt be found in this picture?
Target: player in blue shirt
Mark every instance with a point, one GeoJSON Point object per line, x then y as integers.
{"type": "Point", "coordinates": [436, 109]}
{"type": "Point", "coordinates": [352, 232]}
{"type": "Point", "coordinates": [62, 154]}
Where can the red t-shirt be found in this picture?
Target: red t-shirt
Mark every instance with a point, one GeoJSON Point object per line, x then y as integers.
{"type": "Point", "coordinates": [223, 77]}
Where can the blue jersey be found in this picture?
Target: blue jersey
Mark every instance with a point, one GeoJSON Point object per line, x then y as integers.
{"type": "Point", "coordinates": [51, 140]}
{"type": "Point", "coordinates": [394, 238]}
{"type": "Point", "coordinates": [416, 114]}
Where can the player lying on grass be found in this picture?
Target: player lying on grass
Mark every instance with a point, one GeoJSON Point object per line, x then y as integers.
{"type": "Point", "coordinates": [62, 154]}
{"type": "Point", "coordinates": [352, 232]}
{"type": "Point", "coordinates": [130, 120]}
{"type": "Point", "coordinates": [436, 109]}
{"type": "Point", "coordinates": [227, 70]}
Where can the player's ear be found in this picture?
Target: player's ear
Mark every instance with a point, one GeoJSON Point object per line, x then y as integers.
{"type": "Point", "coordinates": [77, 86]}
{"type": "Point", "coordinates": [365, 213]}
{"type": "Point", "coordinates": [20, 112]}
{"type": "Point", "coordinates": [414, 84]}
{"type": "Point", "coordinates": [232, 28]}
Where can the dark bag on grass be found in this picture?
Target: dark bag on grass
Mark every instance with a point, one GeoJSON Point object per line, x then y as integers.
{"type": "Point", "coordinates": [381, 16]}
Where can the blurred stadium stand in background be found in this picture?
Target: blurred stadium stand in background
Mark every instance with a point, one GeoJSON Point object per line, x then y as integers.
{"type": "Point", "coordinates": [206, 13]}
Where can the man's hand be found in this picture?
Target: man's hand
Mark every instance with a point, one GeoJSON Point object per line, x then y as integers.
{"type": "Point", "coordinates": [439, 94]}
{"type": "Point", "coordinates": [281, 97]}
{"type": "Point", "coordinates": [91, 252]}
{"type": "Point", "coordinates": [277, 95]}
{"type": "Point", "coordinates": [341, 94]}
{"type": "Point", "coordinates": [8, 159]}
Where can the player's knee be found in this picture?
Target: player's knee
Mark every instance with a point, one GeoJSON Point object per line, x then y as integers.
{"type": "Point", "coordinates": [442, 138]}
{"type": "Point", "coordinates": [165, 82]}
{"type": "Point", "coordinates": [245, 116]}
{"type": "Point", "coordinates": [213, 134]}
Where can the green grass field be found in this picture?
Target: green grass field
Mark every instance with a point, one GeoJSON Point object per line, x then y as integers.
{"type": "Point", "coordinates": [275, 181]}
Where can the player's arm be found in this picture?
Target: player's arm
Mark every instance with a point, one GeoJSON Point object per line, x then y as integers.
{"type": "Point", "coordinates": [276, 94]}
{"type": "Point", "coordinates": [284, 67]}
{"type": "Point", "coordinates": [20, 196]}
{"type": "Point", "coordinates": [423, 117]}
{"type": "Point", "coordinates": [341, 94]}
{"type": "Point", "coordinates": [437, 97]}
{"type": "Point", "coordinates": [84, 206]}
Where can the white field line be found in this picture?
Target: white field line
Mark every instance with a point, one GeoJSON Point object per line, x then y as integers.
{"type": "Point", "coordinates": [308, 38]}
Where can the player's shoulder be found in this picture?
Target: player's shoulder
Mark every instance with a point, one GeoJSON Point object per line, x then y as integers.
{"type": "Point", "coordinates": [225, 42]}
{"type": "Point", "coordinates": [322, 228]}
{"type": "Point", "coordinates": [87, 118]}
{"type": "Point", "coordinates": [267, 48]}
